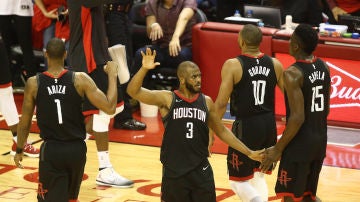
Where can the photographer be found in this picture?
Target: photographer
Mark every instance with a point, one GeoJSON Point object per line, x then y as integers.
{"type": "Point", "coordinates": [50, 19]}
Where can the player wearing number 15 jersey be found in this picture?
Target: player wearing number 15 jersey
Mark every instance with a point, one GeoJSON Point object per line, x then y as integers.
{"type": "Point", "coordinates": [302, 147]}
{"type": "Point", "coordinates": [249, 81]}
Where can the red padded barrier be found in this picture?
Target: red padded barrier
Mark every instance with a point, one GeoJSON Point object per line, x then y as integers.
{"type": "Point", "coordinates": [213, 44]}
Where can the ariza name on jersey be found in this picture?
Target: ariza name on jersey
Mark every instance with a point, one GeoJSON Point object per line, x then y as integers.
{"type": "Point", "coordinates": [56, 89]}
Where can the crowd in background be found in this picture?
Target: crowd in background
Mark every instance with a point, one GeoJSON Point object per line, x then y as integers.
{"type": "Point", "coordinates": [48, 21]}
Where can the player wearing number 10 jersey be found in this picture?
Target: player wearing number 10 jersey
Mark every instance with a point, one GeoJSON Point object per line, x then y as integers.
{"type": "Point", "coordinates": [249, 80]}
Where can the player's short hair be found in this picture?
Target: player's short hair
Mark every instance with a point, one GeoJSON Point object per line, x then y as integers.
{"type": "Point", "coordinates": [183, 66]}
{"type": "Point", "coordinates": [307, 38]}
{"type": "Point", "coordinates": [55, 48]}
{"type": "Point", "coordinates": [251, 35]}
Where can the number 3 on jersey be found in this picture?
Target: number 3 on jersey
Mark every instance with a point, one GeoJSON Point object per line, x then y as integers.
{"type": "Point", "coordinates": [190, 128]}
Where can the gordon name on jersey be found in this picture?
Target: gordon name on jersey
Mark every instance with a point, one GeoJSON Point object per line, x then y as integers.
{"type": "Point", "coordinates": [255, 70]}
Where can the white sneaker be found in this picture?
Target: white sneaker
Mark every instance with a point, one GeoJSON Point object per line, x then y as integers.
{"type": "Point", "coordinates": [109, 177]}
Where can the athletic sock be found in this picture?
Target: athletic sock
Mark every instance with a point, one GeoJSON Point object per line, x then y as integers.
{"type": "Point", "coordinates": [259, 183]}
{"type": "Point", "coordinates": [104, 160]}
{"type": "Point", "coordinates": [245, 191]}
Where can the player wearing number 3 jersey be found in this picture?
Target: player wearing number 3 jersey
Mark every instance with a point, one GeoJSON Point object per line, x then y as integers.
{"type": "Point", "coordinates": [249, 80]}
{"type": "Point", "coordinates": [187, 115]}
{"type": "Point", "coordinates": [58, 96]}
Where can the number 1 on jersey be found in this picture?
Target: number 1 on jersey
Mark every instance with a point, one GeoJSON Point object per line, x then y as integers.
{"type": "Point", "coordinates": [58, 109]}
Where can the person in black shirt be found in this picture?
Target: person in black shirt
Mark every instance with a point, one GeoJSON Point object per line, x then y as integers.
{"type": "Point", "coordinates": [58, 96]}
{"type": "Point", "coordinates": [118, 27]}
{"type": "Point", "coordinates": [302, 147]}
{"type": "Point", "coordinates": [249, 81]}
{"type": "Point", "coordinates": [187, 115]}
{"type": "Point", "coordinates": [89, 53]}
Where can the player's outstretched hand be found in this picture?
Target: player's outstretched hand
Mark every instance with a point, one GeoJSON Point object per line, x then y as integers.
{"type": "Point", "coordinates": [148, 59]}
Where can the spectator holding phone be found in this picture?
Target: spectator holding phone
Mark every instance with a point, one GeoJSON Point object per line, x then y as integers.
{"type": "Point", "coordinates": [50, 18]}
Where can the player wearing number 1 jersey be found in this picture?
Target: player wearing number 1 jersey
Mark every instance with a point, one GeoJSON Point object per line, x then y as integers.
{"type": "Point", "coordinates": [302, 146]}
{"type": "Point", "coordinates": [249, 80]}
{"type": "Point", "coordinates": [58, 96]}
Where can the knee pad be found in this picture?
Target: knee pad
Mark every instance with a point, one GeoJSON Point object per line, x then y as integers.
{"type": "Point", "coordinates": [259, 183]}
{"type": "Point", "coordinates": [101, 122]}
{"type": "Point", "coordinates": [245, 191]}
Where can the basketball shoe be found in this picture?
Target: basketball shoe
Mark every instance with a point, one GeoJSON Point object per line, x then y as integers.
{"type": "Point", "coordinates": [109, 177]}
{"type": "Point", "coordinates": [29, 150]}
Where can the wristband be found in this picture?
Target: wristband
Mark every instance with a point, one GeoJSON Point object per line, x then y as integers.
{"type": "Point", "coordinates": [19, 150]}
{"type": "Point", "coordinates": [153, 24]}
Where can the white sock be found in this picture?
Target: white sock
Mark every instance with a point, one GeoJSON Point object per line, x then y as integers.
{"type": "Point", "coordinates": [15, 138]}
{"type": "Point", "coordinates": [245, 191]}
{"type": "Point", "coordinates": [259, 183]}
{"type": "Point", "coordinates": [87, 137]}
{"type": "Point", "coordinates": [104, 159]}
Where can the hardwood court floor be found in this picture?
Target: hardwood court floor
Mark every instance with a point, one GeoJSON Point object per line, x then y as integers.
{"type": "Point", "coordinates": [141, 164]}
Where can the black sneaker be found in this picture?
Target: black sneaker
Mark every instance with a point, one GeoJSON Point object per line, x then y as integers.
{"type": "Point", "coordinates": [131, 124]}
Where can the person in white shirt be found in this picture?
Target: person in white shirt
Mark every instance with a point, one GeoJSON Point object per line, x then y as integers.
{"type": "Point", "coordinates": [16, 15]}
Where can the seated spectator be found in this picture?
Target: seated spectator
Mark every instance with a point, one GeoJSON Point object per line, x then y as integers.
{"type": "Point", "coordinates": [50, 21]}
{"type": "Point", "coordinates": [341, 7]}
{"type": "Point", "coordinates": [169, 24]}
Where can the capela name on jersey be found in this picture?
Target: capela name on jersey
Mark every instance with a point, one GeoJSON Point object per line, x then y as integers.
{"type": "Point", "coordinates": [317, 75]}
